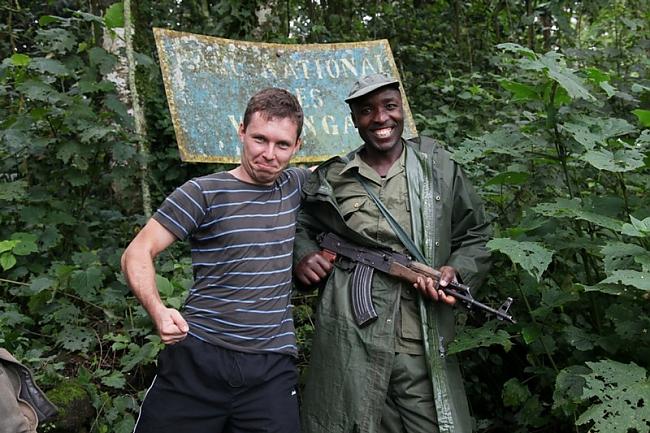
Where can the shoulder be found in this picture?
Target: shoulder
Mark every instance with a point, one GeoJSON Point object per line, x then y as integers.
{"type": "Point", "coordinates": [430, 146]}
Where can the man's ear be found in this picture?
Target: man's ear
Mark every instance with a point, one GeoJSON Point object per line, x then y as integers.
{"type": "Point", "coordinates": [354, 121]}
{"type": "Point", "coordinates": [297, 147]}
{"type": "Point", "coordinates": [241, 131]}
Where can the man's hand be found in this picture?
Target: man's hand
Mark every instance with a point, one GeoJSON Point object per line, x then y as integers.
{"type": "Point", "coordinates": [312, 269]}
{"type": "Point", "coordinates": [429, 288]}
{"type": "Point", "coordinates": [171, 325]}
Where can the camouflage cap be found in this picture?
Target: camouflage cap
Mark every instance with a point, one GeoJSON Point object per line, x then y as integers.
{"type": "Point", "coordinates": [370, 83]}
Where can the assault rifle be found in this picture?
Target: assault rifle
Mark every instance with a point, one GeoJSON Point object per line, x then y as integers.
{"type": "Point", "coordinates": [397, 265]}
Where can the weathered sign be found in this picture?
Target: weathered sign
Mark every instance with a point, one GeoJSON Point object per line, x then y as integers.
{"type": "Point", "coordinates": [209, 80]}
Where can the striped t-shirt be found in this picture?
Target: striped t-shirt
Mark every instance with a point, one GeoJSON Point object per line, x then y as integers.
{"type": "Point", "coordinates": [241, 236]}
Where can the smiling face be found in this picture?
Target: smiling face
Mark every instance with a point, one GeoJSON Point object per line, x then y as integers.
{"type": "Point", "coordinates": [267, 147]}
{"type": "Point", "coordinates": [379, 118]}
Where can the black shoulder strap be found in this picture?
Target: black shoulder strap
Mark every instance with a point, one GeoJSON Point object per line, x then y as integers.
{"type": "Point", "coordinates": [399, 231]}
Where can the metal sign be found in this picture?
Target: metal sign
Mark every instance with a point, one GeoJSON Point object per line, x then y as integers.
{"type": "Point", "coordinates": [209, 81]}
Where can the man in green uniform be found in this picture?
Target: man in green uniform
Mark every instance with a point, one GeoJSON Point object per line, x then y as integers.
{"type": "Point", "coordinates": [392, 375]}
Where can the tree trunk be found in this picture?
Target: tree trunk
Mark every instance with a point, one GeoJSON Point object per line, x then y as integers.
{"type": "Point", "coordinates": [140, 127]}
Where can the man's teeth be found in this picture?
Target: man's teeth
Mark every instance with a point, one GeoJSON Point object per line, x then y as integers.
{"type": "Point", "coordinates": [382, 133]}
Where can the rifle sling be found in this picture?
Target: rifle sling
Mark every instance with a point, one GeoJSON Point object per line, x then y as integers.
{"type": "Point", "coordinates": [399, 231]}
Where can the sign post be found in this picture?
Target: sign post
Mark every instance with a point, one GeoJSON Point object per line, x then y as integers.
{"type": "Point", "coordinates": [209, 80]}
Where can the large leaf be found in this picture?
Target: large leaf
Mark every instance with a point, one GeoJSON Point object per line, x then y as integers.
{"type": "Point", "coordinates": [591, 132]}
{"type": "Point", "coordinates": [518, 49]}
{"type": "Point", "coordinates": [49, 66]}
{"type": "Point", "coordinates": [20, 59]}
{"type": "Point", "coordinates": [26, 243]}
{"type": "Point", "coordinates": [114, 380]}
{"type": "Point", "coordinates": [77, 339]}
{"type": "Point", "coordinates": [521, 92]}
{"type": "Point", "coordinates": [644, 117]}
{"type": "Point", "coordinates": [486, 336]}
{"type": "Point", "coordinates": [165, 287]}
{"type": "Point", "coordinates": [7, 261]}
{"type": "Point", "coordinates": [533, 257]}
{"type": "Point", "coordinates": [578, 338]}
{"type": "Point", "coordinates": [13, 191]}
{"type": "Point", "coordinates": [637, 228]}
{"type": "Point", "coordinates": [565, 208]}
{"type": "Point", "coordinates": [114, 15]}
{"type": "Point", "coordinates": [558, 71]}
{"type": "Point", "coordinates": [618, 161]}
{"type": "Point", "coordinates": [622, 392]}
{"type": "Point", "coordinates": [620, 255]}
{"type": "Point", "coordinates": [85, 282]}
{"type": "Point", "coordinates": [38, 285]}
{"type": "Point", "coordinates": [508, 178]}
{"type": "Point", "coordinates": [515, 393]}
{"type": "Point", "coordinates": [568, 388]}
{"type": "Point", "coordinates": [628, 277]}
{"type": "Point", "coordinates": [56, 39]}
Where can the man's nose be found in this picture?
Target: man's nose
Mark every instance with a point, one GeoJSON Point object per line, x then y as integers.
{"type": "Point", "coordinates": [269, 152]}
{"type": "Point", "coordinates": [380, 116]}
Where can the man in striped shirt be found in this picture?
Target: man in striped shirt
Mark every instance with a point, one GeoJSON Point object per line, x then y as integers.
{"type": "Point", "coordinates": [229, 363]}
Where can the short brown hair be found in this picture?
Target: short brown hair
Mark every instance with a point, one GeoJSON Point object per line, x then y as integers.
{"type": "Point", "coordinates": [274, 103]}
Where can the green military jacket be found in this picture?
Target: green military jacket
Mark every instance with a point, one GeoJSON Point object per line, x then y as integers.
{"type": "Point", "coordinates": [350, 366]}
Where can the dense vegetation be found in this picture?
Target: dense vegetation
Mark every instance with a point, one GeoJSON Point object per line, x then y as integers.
{"type": "Point", "coordinates": [544, 103]}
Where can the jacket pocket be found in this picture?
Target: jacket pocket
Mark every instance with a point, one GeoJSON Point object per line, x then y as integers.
{"type": "Point", "coordinates": [351, 205]}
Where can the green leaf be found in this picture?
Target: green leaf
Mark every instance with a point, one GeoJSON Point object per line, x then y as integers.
{"type": "Point", "coordinates": [644, 117]}
{"type": "Point", "coordinates": [56, 39]}
{"type": "Point", "coordinates": [638, 228]}
{"type": "Point", "coordinates": [596, 75]}
{"type": "Point", "coordinates": [644, 261]}
{"type": "Point", "coordinates": [143, 60]}
{"type": "Point", "coordinates": [125, 425]}
{"type": "Point", "coordinates": [530, 333]}
{"type": "Point", "coordinates": [140, 355]}
{"type": "Point", "coordinates": [20, 59]}
{"type": "Point", "coordinates": [515, 393]}
{"type": "Point", "coordinates": [39, 91]}
{"type": "Point", "coordinates": [578, 338]}
{"type": "Point", "coordinates": [115, 380]}
{"type": "Point", "coordinates": [509, 178]}
{"type": "Point", "coordinates": [620, 255]}
{"type": "Point", "coordinates": [533, 257]}
{"type": "Point", "coordinates": [38, 285]}
{"type": "Point", "coordinates": [49, 66]}
{"type": "Point", "coordinates": [521, 92]}
{"type": "Point", "coordinates": [25, 247]}
{"type": "Point", "coordinates": [618, 161]}
{"type": "Point", "coordinates": [565, 77]}
{"type": "Point", "coordinates": [591, 132]}
{"type": "Point", "coordinates": [565, 208]}
{"type": "Point", "coordinates": [12, 317]}
{"type": "Point", "coordinates": [114, 16]}
{"type": "Point", "coordinates": [95, 133]}
{"type": "Point", "coordinates": [46, 20]}
{"type": "Point", "coordinates": [627, 277]}
{"type": "Point", "coordinates": [7, 245]}
{"type": "Point", "coordinates": [67, 150]}
{"type": "Point", "coordinates": [86, 282]}
{"type": "Point", "coordinates": [13, 191]}
{"type": "Point", "coordinates": [7, 261]}
{"type": "Point", "coordinates": [517, 49]}
{"type": "Point", "coordinates": [487, 335]}
{"type": "Point", "coordinates": [622, 392]}
{"type": "Point", "coordinates": [165, 287]}
{"type": "Point", "coordinates": [568, 388]}
{"type": "Point", "coordinates": [102, 59]}
{"type": "Point", "coordinates": [76, 339]}
{"type": "Point", "coordinates": [608, 88]}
